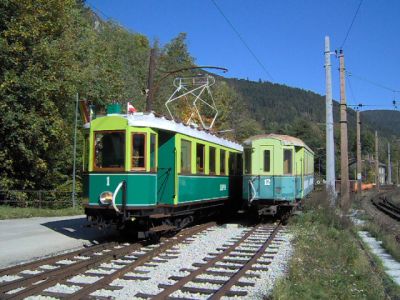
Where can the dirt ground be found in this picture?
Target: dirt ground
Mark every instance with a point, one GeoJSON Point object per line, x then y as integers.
{"type": "Point", "coordinates": [394, 196]}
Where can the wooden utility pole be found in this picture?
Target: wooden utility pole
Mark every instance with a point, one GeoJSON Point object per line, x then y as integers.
{"type": "Point", "coordinates": [359, 167]}
{"type": "Point", "coordinates": [377, 161]}
{"type": "Point", "coordinates": [330, 151]}
{"type": "Point", "coordinates": [344, 156]}
{"type": "Point", "coordinates": [150, 80]}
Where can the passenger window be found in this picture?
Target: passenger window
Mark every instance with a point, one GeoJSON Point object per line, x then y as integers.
{"type": "Point", "coordinates": [222, 162]}
{"type": "Point", "coordinates": [200, 158]}
{"type": "Point", "coordinates": [287, 161]}
{"type": "Point", "coordinates": [153, 155]}
{"type": "Point", "coordinates": [233, 163]}
{"type": "Point", "coordinates": [267, 161]}
{"type": "Point", "coordinates": [186, 147]}
{"type": "Point", "coordinates": [109, 150]}
{"type": "Point", "coordinates": [247, 161]}
{"type": "Point", "coordinates": [212, 160]}
{"type": "Point", "coordinates": [138, 151]}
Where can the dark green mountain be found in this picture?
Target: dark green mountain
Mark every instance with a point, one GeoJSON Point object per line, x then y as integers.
{"type": "Point", "coordinates": [383, 120]}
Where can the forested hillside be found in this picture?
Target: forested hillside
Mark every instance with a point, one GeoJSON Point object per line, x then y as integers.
{"type": "Point", "coordinates": [383, 120]}
{"type": "Point", "coordinates": [51, 50]}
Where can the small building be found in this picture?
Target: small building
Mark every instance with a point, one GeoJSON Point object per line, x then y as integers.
{"type": "Point", "coordinates": [382, 173]}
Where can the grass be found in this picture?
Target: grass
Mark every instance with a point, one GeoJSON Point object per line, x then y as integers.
{"type": "Point", "coordinates": [328, 262]}
{"type": "Point", "coordinates": [381, 233]}
{"type": "Point", "coordinates": [9, 212]}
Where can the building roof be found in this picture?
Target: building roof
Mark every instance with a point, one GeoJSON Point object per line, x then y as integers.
{"type": "Point", "coordinates": [285, 139]}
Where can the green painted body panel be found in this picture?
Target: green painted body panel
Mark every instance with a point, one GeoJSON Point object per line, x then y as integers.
{"type": "Point", "coordinates": [141, 188]}
{"type": "Point", "coordinates": [166, 174]}
{"type": "Point", "coordinates": [195, 188]}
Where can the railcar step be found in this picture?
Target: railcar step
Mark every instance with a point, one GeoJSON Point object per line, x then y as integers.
{"type": "Point", "coordinates": [159, 216]}
{"type": "Point", "coordinates": [162, 228]}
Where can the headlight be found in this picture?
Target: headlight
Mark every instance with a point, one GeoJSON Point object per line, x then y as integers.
{"type": "Point", "coordinates": [106, 197]}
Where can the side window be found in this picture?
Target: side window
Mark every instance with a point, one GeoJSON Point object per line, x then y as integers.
{"type": "Point", "coordinates": [247, 161]}
{"type": "Point", "coordinates": [222, 161]}
{"type": "Point", "coordinates": [186, 147]}
{"type": "Point", "coordinates": [200, 158]}
{"type": "Point", "coordinates": [153, 154]}
{"type": "Point", "coordinates": [138, 151]}
{"type": "Point", "coordinates": [212, 160]}
{"type": "Point", "coordinates": [287, 161]}
{"type": "Point", "coordinates": [267, 161]}
{"type": "Point", "coordinates": [233, 164]}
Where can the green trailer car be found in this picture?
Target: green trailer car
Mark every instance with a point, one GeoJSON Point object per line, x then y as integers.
{"type": "Point", "coordinates": [278, 172]}
{"type": "Point", "coordinates": [151, 173]}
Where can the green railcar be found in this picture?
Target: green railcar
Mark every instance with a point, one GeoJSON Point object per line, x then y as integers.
{"type": "Point", "coordinates": [278, 172]}
{"type": "Point", "coordinates": [147, 172]}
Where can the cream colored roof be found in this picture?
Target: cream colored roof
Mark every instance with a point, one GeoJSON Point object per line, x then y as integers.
{"type": "Point", "coordinates": [285, 139]}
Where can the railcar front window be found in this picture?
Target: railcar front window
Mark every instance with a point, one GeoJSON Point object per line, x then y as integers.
{"type": "Point", "coordinates": [109, 150]}
{"type": "Point", "coordinates": [200, 158]}
{"type": "Point", "coordinates": [186, 147]}
{"type": "Point", "coordinates": [287, 161]}
{"type": "Point", "coordinates": [247, 161]}
{"type": "Point", "coordinates": [138, 151]}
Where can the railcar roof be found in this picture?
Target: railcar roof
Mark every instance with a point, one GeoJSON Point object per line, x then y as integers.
{"type": "Point", "coordinates": [152, 121]}
{"type": "Point", "coordinates": [285, 139]}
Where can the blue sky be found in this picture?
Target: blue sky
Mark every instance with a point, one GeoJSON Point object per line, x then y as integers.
{"type": "Point", "coordinates": [287, 36]}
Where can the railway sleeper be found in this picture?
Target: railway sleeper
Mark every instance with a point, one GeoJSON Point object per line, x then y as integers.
{"type": "Point", "coordinates": [228, 267]}
{"type": "Point", "coordinates": [196, 290]}
{"type": "Point", "coordinates": [139, 278]}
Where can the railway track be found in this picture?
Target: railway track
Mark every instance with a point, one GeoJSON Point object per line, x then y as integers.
{"type": "Point", "coordinates": [229, 270]}
{"type": "Point", "coordinates": [230, 267]}
{"type": "Point", "coordinates": [105, 262]}
{"type": "Point", "coordinates": [387, 207]}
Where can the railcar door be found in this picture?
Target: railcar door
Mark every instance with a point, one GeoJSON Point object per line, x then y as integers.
{"type": "Point", "coordinates": [166, 168]}
{"type": "Point", "coordinates": [266, 171]}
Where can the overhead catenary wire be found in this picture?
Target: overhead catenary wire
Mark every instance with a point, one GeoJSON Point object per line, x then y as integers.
{"type": "Point", "coordinates": [242, 40]}
{"type": "Point", "coordinates": [360, 105]}
{"type": "Point", "coordinates": [351, 24]}
{"type": "Point", "coordinates": [372, 82]}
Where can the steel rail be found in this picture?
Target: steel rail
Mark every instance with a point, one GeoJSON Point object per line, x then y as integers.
{"type": "Point", "coordinates": [14, 270]}
{"type": "Point", "coordinates": [386, 209]}
{"type": "Point", "coordinates": [31, 285]}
